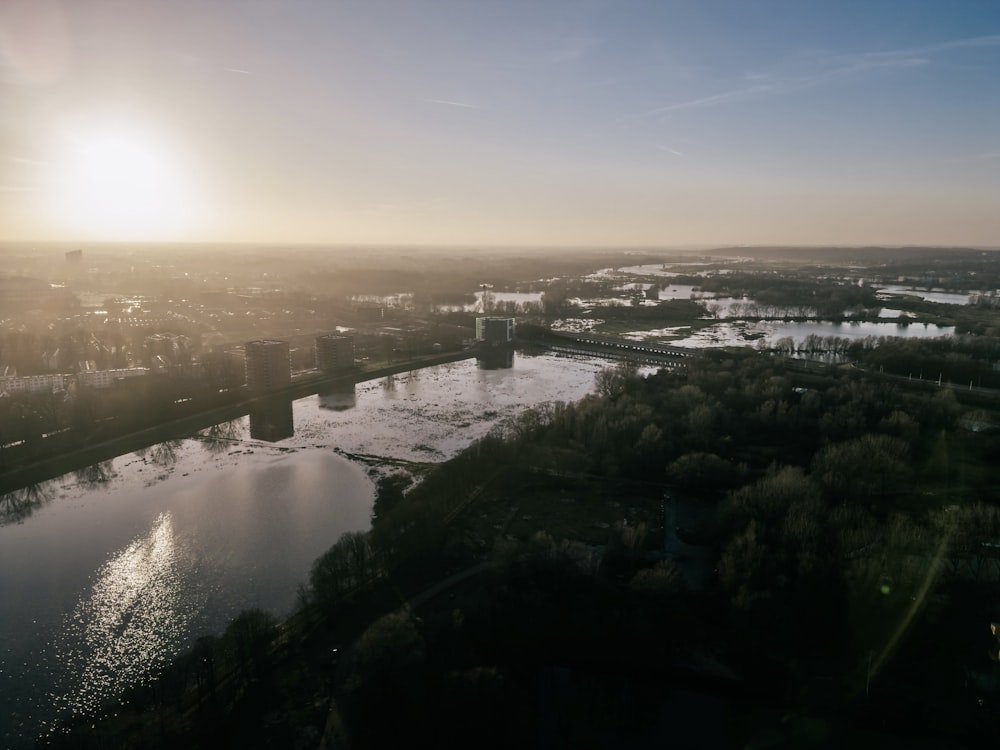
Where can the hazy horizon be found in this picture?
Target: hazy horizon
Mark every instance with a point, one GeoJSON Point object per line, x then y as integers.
{"type": "Point", "coordinates": [635, 125]}
{"type": "Point", "coordinates": [60, 247]}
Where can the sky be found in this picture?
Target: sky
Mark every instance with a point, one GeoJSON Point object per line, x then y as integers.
{"type": "Point", "coordinates": [464, 122]}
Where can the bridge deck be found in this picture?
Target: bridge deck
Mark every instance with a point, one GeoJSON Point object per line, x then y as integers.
{"type": "Point", "coordinates": [627, 345]}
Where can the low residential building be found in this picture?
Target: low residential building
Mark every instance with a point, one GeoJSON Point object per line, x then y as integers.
{"type": "Point", "coordinates": [107, 378]}
{"type": "Point", "coordinates": [33, 383]}
{"type": "Point", "coordinates": [188, 371]}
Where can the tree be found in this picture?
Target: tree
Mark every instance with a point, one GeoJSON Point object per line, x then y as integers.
{"type": "Point", "coordinates": [248, 638]}
{"type": "Point", "coordinates": [348, 566]}
{"type": "Point", "coordinates": [553, 299]}
{"type": "Point", "coordinates": [612, 381]}
{"type": "Point", "coordinates": [972, 535]}
{"type": "Point", "coordinates": [746, 560]}
{"type": "Point", "coordinates": [698, 471]}
{"type": "Point", "coordinates": [387, 672]}
{"type": "Point", "coordinates": [701, 424]}
{"type": "Point", "coordinates": [901, 425]}
{"type": "Point", "coordinates": [663, 579]}
{"type": "Point", "coordinates": [769, 499]}
{"type": "Point", "coordinates": [203, 663]}
{"type": "Point", "coordinates": [868, 467]}
{"type": "Point", "coordinates": [389, 493]}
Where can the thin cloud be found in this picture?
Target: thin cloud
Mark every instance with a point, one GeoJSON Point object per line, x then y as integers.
{"type": "Point", "coordinates": [448, 102]}
{"type": "Point", "coordinates": [669, 150]}
{"type": "Point", "coordinates": [836, 67]}
{"type": "Point", "coordinates": [241, 71]}
{"type": "Point", "coordinates": [778, 84]}
{"type": "Point", "coordinates": [707, 101]}
{"type": "Point", "coordinates": [906, 57]}
{"type": "Point", "coordinates": [570, 49]}
{"type": "Point", "coordinates": [991, 40]}
{"type": "Point", "coordinates": [16, 189]}
{"type": "Point", "coordinates": [24, 160]}
{"type": "Point", "coordinates": [981, 156]}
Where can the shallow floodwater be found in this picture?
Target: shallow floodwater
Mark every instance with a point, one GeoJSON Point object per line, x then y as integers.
{"type": "Point", "coordinates": [121, 565]}
{"type": "Point", "coordinates": [768, 332]}
{"type": "Point", "coordinates": [499, 302]}
{"type": "Point", "coordinates": [928, 295]}
{"type": "Point", "coordinates": [667, 269]}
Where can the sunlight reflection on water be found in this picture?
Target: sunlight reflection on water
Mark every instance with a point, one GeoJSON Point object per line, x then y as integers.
{"type": "Point", "coordinates": [129, 622]}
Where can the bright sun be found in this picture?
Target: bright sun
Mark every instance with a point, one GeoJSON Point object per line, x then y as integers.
{"type": "Point", "coordinates": [120, 185]}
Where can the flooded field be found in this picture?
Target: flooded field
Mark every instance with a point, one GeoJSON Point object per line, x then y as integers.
{"type": "Point", "coordinates": [767, 333]}
{"type": "Point", "coordinates": [928, 295]}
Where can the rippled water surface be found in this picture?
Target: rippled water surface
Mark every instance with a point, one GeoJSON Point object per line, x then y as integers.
{"type": "Point", "coordinates": [108, 571]}
{"type": "Point", "coordinates": [135, 611]}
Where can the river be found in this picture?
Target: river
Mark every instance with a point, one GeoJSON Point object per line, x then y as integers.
{"type": "Point", "coordinates": [109, 571]}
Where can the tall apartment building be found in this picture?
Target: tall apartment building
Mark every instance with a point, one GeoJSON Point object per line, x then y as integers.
{"type": "Point", "coordinates": [334, 352]}
{"type": "Point", "coordinates": [268, 365]}
{"type": "Point", "coordinates": [495, 331]}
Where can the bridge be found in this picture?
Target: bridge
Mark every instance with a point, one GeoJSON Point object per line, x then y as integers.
{"type": "Point", "coordinates": [613, 347]}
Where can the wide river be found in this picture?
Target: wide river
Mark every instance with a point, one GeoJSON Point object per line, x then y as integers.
{"type": "Point", "coordinates": [109, 571]}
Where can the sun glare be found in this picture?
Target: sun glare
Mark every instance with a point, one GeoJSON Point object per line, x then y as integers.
{"type": "Point", "coordinates": [120, 185]}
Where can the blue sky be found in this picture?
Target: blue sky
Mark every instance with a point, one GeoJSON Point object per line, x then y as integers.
{"type": "Point", "coordinates": [576, 123]}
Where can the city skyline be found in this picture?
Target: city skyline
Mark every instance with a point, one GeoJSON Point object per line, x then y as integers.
{"type": "Point", "coordinates": [558, 123]}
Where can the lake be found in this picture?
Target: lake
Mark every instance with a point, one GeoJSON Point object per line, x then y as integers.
{"type": "Point", "coordinates": [115, 568]}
